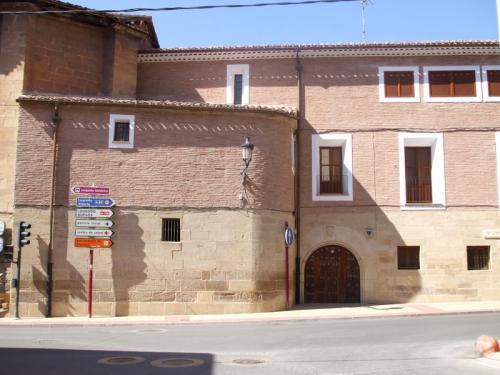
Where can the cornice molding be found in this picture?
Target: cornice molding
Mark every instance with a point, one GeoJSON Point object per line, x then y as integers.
{"type": "Point", "coordinates": [290, 53]}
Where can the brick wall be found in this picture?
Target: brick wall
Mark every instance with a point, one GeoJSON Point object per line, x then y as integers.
{"type": "Point", "coordinates": [180, 159]}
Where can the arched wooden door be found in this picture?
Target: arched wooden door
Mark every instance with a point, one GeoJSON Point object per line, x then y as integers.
{"type": "Point", "coordinates": [332, 276]}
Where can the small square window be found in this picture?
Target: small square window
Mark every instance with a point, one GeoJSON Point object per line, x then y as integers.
{"type": "Point", "coordinates": [171, 230]}
{"type": "Point", "coordinates": [478, 258]}
{"type": "Point", "coordinates": [121, 131]}
{"type": "Point", "coordinates": [408, 257]}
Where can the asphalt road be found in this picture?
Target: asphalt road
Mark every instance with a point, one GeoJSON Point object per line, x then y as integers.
{"type": "Point", "coordinates": [415, 345]}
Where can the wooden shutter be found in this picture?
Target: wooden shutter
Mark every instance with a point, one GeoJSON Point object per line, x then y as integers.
{"type": "Point", "coordinates": [399, 84]}
{"type": "Point", "coordinates": [408, 257]}
{"type": "Point", "coordinates": [331, 181]}
{"type": "Point", "coordinates": [493, 82]}
{"type": "Point", "coordinates": [418, 166]}
{"type": "Point", "coordinates": [460, 83]}
{"type": "Point", "coordinates": [478, 257]}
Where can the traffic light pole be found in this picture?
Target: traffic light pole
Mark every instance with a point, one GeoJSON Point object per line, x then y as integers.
{"type": "Point", "coordinates": [18, 280]}
{"type": "Point", "coordinates": [91, 271]}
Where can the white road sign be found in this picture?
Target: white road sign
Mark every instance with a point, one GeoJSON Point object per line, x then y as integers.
{"type": "Point", "coordinates": [94, 213]}
{"type": "Point", "coordinates": [93, 233]}
{"type": "Point", "coordinates": [94, 223]}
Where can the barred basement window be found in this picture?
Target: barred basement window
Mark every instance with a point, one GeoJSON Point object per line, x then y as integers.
{"type": "Point", "coordinates": [171, 230]}
{"type": "Point", "coordinates": [478, 257]}
{"type": "Point", "coordinates": [408, 257]}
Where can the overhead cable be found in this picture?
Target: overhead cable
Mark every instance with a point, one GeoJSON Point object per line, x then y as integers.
{"type": "Point", "coordinates": [171, 9]}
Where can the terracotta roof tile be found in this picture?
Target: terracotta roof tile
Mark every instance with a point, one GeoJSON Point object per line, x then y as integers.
{"type": "Point", "coordinates": [168, 104]}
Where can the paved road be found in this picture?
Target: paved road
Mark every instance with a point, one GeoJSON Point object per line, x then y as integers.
{"type": "Point", "coordinates": [416, 345]}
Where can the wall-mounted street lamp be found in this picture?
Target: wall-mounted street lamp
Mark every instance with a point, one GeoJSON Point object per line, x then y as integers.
{"type": "Point", "coordinates": [246, 150]}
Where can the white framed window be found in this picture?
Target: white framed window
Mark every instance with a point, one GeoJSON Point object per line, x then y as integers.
{"type": "Point", "coordinates": [332, 167]}
{"type": "Point", "coordinates": [497, 138]}
{"type": "Point", "coordinates": [421, 171]}
{"type": "Point", "coordinates": [238, 84]}
{"type": "Point", "coordinates": [399, 84]}
{"type": "Point", "coordinates": [121, 131]}
{"type": "Point", "coordinates": [491, 83]}
{"type": "Point", "coordinates": [444, 84]}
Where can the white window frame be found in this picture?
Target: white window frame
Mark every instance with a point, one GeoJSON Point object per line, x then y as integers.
{"type": "Point", "coordinates": [332, 140]}
{"type": "Point", "coordinates": [486, 92]}
{"type": "Point", "coordinates": [232, 70]}
{"type": "Point", "coordinates": [416, 84]}
{"type": "Point", "coordinates": [435, 142]}
{"type": "Point", "coordinates": [113, 119]}
{"type": "Point", "coordinates": [497, 138]}
{"type": "Point", "coordinates": [467, 99]}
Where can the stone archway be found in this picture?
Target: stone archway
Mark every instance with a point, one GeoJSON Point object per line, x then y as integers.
{"type": "Point", "coordinates": [332, 276]}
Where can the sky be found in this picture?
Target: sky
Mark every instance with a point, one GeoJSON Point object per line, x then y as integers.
{"type": "Point", "coordinates": [386, 20]}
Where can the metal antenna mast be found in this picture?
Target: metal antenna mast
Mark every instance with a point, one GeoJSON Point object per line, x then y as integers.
{"type": "Point", "coordinates": [364, 3]}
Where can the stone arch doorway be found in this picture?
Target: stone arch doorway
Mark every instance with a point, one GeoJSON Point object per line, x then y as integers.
{"type": "Point", "coordinates": [332, 276]}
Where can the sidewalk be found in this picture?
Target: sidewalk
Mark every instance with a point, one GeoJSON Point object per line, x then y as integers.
{"type": "Point", "coordinates": [301, 312]}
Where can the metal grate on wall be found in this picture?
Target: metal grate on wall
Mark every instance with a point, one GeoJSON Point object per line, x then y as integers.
{"type": "Point", "coordinates": [171, 230]}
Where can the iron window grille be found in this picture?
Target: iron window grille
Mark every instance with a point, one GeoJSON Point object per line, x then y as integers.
{"type": "Point", "coordinates": [408, 257]}
{"type": "Point", "coordinates": [478, 258]}
{"type": "Point", "coordinates": [122, 132]}
{"type": "Point", "coordinates": [171, 230]}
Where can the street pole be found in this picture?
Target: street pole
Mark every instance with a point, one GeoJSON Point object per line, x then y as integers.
{"type": "Point", "coordinates": [91, 271]}
{"type": "Point", "coordinates": [18, 280]}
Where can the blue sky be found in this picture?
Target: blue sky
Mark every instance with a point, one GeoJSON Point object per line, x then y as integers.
{"type": "Point", "coordinates": [386, 20]}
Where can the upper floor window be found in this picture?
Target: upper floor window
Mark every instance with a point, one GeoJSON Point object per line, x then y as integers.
{"type": "Point", "coordinates": [418, 180]}
{"type": "Point", "coordinates": [331, 170]}
{"type": "Point", "coordinates": [422, 181]}
{"type": "Point", "coordinates": [491, 82]}
{"type": "Point", "coordinates": [452, 84]}
{"type": "Point", "coordinates": [399, 84]}
{"type": "Point", "coordinates": [237, 85]}
{"type": "Point", "coordinates": [332, 167]}
{"type": "Point", "coordinates": [121, 131]}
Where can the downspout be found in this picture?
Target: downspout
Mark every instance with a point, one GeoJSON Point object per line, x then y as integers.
{"type": "Point", "coordinates": [300, 98]}
{"type": "Point", "coordinates": [55, 121]}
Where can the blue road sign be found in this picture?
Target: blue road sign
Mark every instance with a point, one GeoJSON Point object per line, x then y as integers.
{"type": "Point", "coordinates": [94, 202]}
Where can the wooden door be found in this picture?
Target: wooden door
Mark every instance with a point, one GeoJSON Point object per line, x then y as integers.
{"type": "Point", "coordinates": [332, 276]}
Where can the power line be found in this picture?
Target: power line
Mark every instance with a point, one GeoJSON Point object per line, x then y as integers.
{"type": "Point", "coordinates": [171, 9]}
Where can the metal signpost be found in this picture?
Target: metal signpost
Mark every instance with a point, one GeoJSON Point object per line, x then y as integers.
{"type": "Point", "coordinates": [288, 242]}
{"type": "Point", "coordinates": [91, 231]}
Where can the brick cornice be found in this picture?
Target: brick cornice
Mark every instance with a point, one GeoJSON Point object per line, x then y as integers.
{"type": "Point", "coordinates": [315, 51]}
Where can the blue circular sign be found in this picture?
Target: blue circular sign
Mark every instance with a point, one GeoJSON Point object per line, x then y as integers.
{"type": "Point", "coordinates": [289, 236]}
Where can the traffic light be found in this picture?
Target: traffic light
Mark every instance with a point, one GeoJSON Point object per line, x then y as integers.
{"type": "Point", "coordinates": [23, 233]}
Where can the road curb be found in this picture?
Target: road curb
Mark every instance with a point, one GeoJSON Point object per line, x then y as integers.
{"type": "Point", "coordinates": [192, 319]}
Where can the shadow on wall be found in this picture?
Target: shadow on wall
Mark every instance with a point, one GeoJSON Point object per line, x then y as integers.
{"type": "Point", "coordinates": [128, 265]}
{"type": "Point", "coordinates": [69, 285]}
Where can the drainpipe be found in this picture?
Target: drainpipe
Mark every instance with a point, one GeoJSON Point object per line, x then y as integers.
{"type": "Point", "coordinates": [56, 121]}
{"type": "Point", "coordinates": [298, 69]}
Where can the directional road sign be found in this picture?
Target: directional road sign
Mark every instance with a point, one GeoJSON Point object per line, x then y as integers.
{"type": "Point", "coordinates": [94, 223]}
{"type": "Point", "coordinates": [97, 243]}
{"type": "Point", "coordinates": [94, 213]}
{"type": "Point", "coordinates": [94, 202]}
{"type": "Point", "coordinates": [93, 233]}
{"type": "Point", "coordinates": [90, 190]}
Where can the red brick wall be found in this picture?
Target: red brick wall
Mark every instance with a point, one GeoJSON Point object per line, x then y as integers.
{"type": "Point", "coordinates": [64, 57]}
{"type": "Point", "coordinates": [180, 159]}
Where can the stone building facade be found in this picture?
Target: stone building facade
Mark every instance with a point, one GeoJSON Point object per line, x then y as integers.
{"type": "Point", "coordinates": [383, 158]}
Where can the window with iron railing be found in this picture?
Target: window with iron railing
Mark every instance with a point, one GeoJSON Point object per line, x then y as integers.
{"type": "Point", "coordinates": [171, 230]}
{"type": "Point", "coordinates": [478, 258]}
{"type": "Point", "coordinates": [331, 178]}
{"type": "Point", "coordinates": [418, 165]}
{"type": "Point", "coordinates": [408, 257]}
{"type": "Point", "coordinates": [122, 132]}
